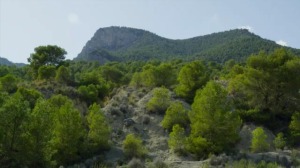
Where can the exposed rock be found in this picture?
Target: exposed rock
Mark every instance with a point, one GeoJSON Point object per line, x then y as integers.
{"type": "Point", "coordinates": [128, 122]}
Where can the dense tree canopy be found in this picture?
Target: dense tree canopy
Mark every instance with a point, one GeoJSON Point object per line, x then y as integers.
{"type": "Point", "coordinates": [175, 114]}
{"type": "Point", "coordinates": [213, 120]}
{"type": "Point", "coordinates": [72, 111]}
{"type": "Point", "coordinates": [192, 76]}
{"type": "Point", "coordinates": [47, 55]}
{"type": "Point", "coordinates": [269, 86]}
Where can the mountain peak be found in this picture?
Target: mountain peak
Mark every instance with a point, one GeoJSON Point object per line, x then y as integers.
{"type": "Point", "coordinates": [127, 44]}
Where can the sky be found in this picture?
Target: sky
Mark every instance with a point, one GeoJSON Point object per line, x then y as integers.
{"type": "Point", "coordinates": [26, 24]}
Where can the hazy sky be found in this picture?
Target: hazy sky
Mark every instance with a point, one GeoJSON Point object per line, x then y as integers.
{"type": "Point", "coordinates": [26, 24]}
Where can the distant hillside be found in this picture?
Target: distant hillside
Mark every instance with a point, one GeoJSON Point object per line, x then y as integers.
{"type": "Point", "coordinates": [127, 44]}
{"type": "Point", "coordinates": [4, 61]}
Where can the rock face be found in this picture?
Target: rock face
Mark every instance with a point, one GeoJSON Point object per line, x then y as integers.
{"type": "Point", "coordinates": [112, 39]}
{"type": "Point", "coordinates": [129, 44]}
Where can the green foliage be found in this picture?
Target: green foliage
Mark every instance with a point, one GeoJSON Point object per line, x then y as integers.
{"type": "Point", "coordinates": [136, 45]}
{"type": "Point", "coordinates": [89, 93]}
{"type": "Point", "coordinates": [99, 132]}
{"type": "Point", "coordinates": [270, 84]}
{"type": "Point", "coordinates": [155, 76]}
{"type": "Point", "coordinates": [249, 164]}
{"type": "Point", "coordinates": [46, 72]}
{"type": "Point", "coordinates": [295, 127]}
{"type": "Point", "coordinates": [67, 134]}
{"type": "Point", "coordinates": [87, 78]}
{"type": "Point", "coordinates": [259, 140]}
{"type": "Point", "coordinates": [177, 139]}
{"type": "Point", "coordinates": [8, 83]}
{"type": "Point", "coordinates": [279, 141]}
{"type": "Point", "coordinates": [38, 131]}
{"type": "Point", "coordinates": [14, 115]}
{"type": "Point", "coordinates": [111, 73]}
{"type": "Point", "coordinates": [192, 76]}
{"type": "Point", "coordinates": [198, 145]}
{"type": "Point", "coordinates": [46, 55]}
{"type": "Point", "coordinates": [31, 95]}
{"type": "Point", "coordinates": [160, 101]}
{"type": "Point", "coordinates": [133, 147]}
{"type": "Point", "coordinates": [40, 134]}
{"type": "Point", "coordinates": [63, 75]}
{"type": "Point", "coordinates": [137, 80]}
{"type": "Point", "coordinates": [175, 114]}
{"type": "Point", "coordinates": [214, 126]}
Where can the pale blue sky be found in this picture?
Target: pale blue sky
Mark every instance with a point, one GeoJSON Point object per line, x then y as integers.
{"type": "Point", "coordinates": [26, 24]}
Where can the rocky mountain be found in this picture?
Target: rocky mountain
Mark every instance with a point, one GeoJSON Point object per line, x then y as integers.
{"type": "Point", "coordinates": [4, 61]}
{"type": "Point", "coordinates": [128, 44]}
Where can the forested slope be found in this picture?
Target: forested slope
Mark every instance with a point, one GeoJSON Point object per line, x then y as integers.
{"type": "Point", "coordinates": [57, 112]}
{"type": "Point", "coordinates": [129, 44]}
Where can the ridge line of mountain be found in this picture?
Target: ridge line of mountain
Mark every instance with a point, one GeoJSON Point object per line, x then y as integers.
{"type": "Point", "coordinates": [130, 44]}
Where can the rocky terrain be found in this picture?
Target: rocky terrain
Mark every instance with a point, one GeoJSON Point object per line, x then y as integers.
{"type": "Point", "coordinates": [127, 113]}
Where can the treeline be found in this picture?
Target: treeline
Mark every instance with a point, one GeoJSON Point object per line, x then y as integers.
{"type": "Point", "coordinates": [50, 110]}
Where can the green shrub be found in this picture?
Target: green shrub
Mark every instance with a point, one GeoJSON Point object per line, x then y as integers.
{"type": "Point", "coordinates": [89, 93]}
{"type": "Point", "coordinates": [99, 131]}
{"type": "Point", "coordinates": [295, 127]}
{"type": "Point", "coordinates": [63, 75]}
{"type": "Point", "coordinates": [46, 72]}
{"type": "Point", "coordinates": [259, 140]}
{"type": "Point", "coordinates": [249, 164]}
{"type": "Point", "coordinates": [133, 147]}
{"type": "Point", "coordinates": [176, 141]}
{"type": "Point", "coordinates": [175, 114]}
{"type": "Point", "coordinates": [8, 83]}
{"type": "Point", "coordinates": [279, 141]}
{"type": "Point", "coordinates": [160, 101]}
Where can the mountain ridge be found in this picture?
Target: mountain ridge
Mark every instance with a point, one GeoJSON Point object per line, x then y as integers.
{"type": "Point", "coordinates": [5, 61]}
{"type": "Point", "coordinates": [130, 44]}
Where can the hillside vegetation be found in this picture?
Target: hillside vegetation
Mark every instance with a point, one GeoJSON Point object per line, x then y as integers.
{"type": "Point", "coordinates": [129, 44]}
{"type": "Point", "coordinates": [179, 113]}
